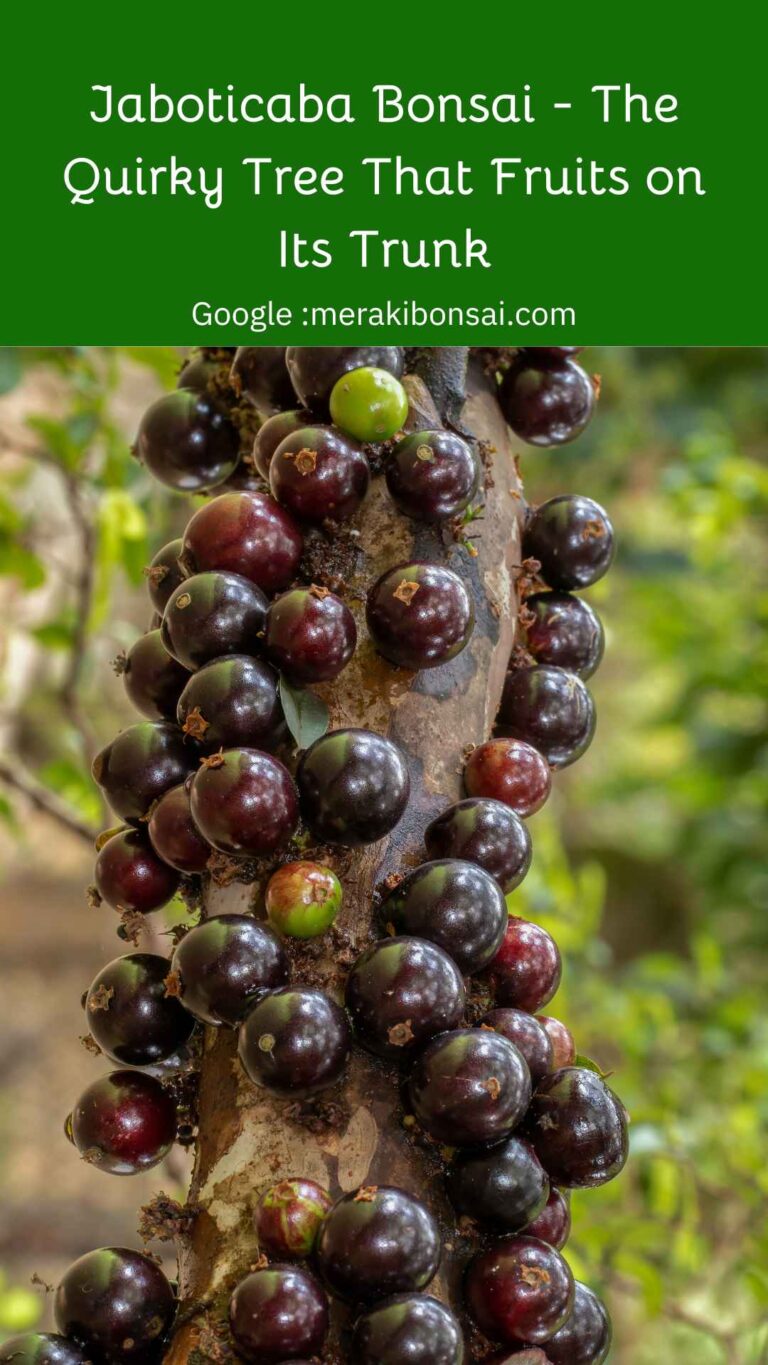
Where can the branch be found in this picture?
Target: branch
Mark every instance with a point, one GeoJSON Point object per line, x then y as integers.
{"type": "Point", "coordinates": [44, 800]}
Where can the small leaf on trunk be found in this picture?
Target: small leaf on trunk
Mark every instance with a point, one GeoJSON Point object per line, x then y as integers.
{"type": "Point", "coordinates": [306, 714]}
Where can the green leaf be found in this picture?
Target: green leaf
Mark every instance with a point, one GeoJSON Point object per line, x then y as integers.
{"type": "Point", "coordinates": [589, 1065]}
{"type": "Point", "coordinates": [18, 562]}
{"type": "Point", "coordinates": [165, 361]}
{"type": "Point", "coordinates": [10, 368]}
{"type": "Point", "coordinates": [55, 634]}
{"type": "Point", "coordinates": [306, 714]}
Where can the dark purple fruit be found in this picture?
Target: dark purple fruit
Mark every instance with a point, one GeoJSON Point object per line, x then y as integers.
{"type": "Point", "coordinates": [153, 679]}
{"type": "Point", "coordinates": [378, 1241]}
{"type": "Point", "coordinates": [432, 475]}
{"type": "Point", "coordinates": [212, 614]}
{"type": "Point", "coordinates": [277, 1314]}
{"type": "Point", "coordinates": [314, 370]}
{"type": "Point", "coordinates": [547, 405]}
{"type": "Point", "coordinates": [528, 1035]}
{"type": "Point", "coordinates": [117, 1304]}
{"type": "Point", "coordinates": [40, 1348]}
{"type": "Point", "coordinates": [545, 355]}
{"type": "Point", "coordinates": [319, 474]}
{"type": "Point", "coordinates": [419, 615]}
{"type": "Point", "coordinates": [572, 538]}
{"type": "Point", "coordinates": [130, 876]}
{"type": "Point", "coordinates": [503, 1188]}
{"type": "Point", "coordinates": [454, 904]}
{"type": "Point", "coordinates": [509, 771]}
{"type": "Point", "coordinates": [164, 574]}
{"type": "Point", "coordinates": [354, 787]}
{"type": "Point", "coordinates": [585, 1336]}
{"type": "Point", "coordinates": [550, 709]}
{"type": "Point", "coordinates": [231, 702]}
{"type": "Point", "coordinates": [410, 1329]}
{"type": "Point", "coordinates": [130, 1015]}
{"type": "Point", "coordinates": [259, 373]}
{"type": "Point", "coordinates": [273, 432]}
{"type": "Point", "coordinates": [469, 1087]}
{"type": "Point", "coordinates": [223, 966]}
{"type": "Point", "coordinates": [245, 533]}
{"type": "Point", "coordinates": [186, 442]}
{"type": "Point", "coordinates": [198, 373]}
{"type": "Point", "coordinates": [289, 1216]}
{"type": "Point", "coordinates": [519, 1290]}
{"type": "Point", "coordinates": [174, 835]}
{"type": "Point", "coordinates": [244, 803]}
{"type": "Point", "coordinates": [123, 1123]}
{"type": "Point", "coordinates": [485, 832]}
{"type": "Point", "coordinates": [564, 631]}
{"type": "Point", "coordinates": [562, 1040]}
{"type": "Point", "coordinates": [140, 764]}
{"type": "Point", "coordinates": [310, 635]}
{"type": "Point", "coordinates": [578, 1128]}
{"type": "Point", "coordinates": [526, 971]}
{"type": "Point", "coordinates": [295, 1042]}
{"type": "Point", "coordinates": [400, 993]}
{"type": "Point", "coordinates": [553, 1224]}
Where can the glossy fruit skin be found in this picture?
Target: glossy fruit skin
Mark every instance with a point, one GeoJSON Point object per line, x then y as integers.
{"type": "Point", "coordinates": [479, 830]}
{"type": "Point", "coordinates": [468, 1087]}
{"type": "Point", "coordinates": [510, 771]}
{"type": "Point", "coordinates": [400, 993]}
{"type": "Point", "coordinates": [141, 763]}
{"type": "Point", "coordinates": [550, 709]}
{"type": "Point", "coordinates": [278, 1312]}
{"type": "Point", "coordinates": [562, 1040]}
{"type": "Point", "coordinates": [295, 1042]}
{"type": "Point", "coordinates": [244, 803]}
{"type": "Point", "coordinates": [572, 538]}
{"type": "Point", "coordinates": [528, 1035]}
{"type": "Point", "coordinates": [272, 432]}
{"type": "Point", "coordinates": [354, 787]}
{"type": "Point", "coordinates": [310, 635]}
{"type": "Point", "coordinates": [153, 679]}
{"type": "Point", "coordinates": [174, 835]}
{"type": "Point", "coordinates": [130, 876]}
{"type": "Point", "coordinates": [212, 614]}
{"type": "Point", "coordinates": [164, 574]}
{"type": "Point", "coordinates": [246, 533]}
{"type": "Point", "coordinates": [315, 369]}
{"type": "Point", "coordinates": [117, 1304]}
{"type": "Point", "coordinates": [578, 1128]}
{"type": "Point", "coordinates": [197, 372]}
{"type": "Point", "coordinates": [40, 1348]}
{"type": "Point", "coordinates": [259, 373]}
{"type": "Point", "coordinates": [225, 965]}
{"type": "Point", "coordinates": [585, 1336]}
{"type": "Point", "coordinates": [230, 702]}
{"type": "Point", "coordinates": [289, 1216]}
{"type": "Point", "coordinates": [124, 1123]}
{"type": "Point", "coordinates": [519, 1290]}
{"type": "Point", "coordinates": [432, 475]}
{"type": "Point", "coordinates": [303, 899]}
{"type": "Point", "coordinates": [547, 405]}
{"type": "Point", "coordinates": [526, 971]}
{"type": "Point", "coordinates": [553, 1224]}
{"type": "Point", "coordinates": [319, 474]}
{"type": "Point", "coordinates": [564, 632]}
{"type": "Point", "coordinates": [454, 904]}
{"type": "Point", "coordinates": [409, 1329]}
{"type": "Point", "coordinates": [376, 1242]}
{"type": "Point", "coordinates": [186, 442]}
{"type": "Point", "coordinates": [369, 404]}
{"type": "Point", "coordinates": [419, 615]}
{"type": "Point", "coordinates": [503, 1188]}
{"type": "Point", "coordinates": [129, 1014]}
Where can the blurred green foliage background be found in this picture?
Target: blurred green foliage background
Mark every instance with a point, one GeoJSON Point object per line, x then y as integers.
{"type": "Point", "coordinates": [650, 861]}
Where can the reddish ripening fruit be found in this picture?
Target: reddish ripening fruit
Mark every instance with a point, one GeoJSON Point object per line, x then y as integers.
{"type": "Point", "coordinates": [245, 533]}
{"type": "Point", "coordinates": [585, 1336]}
{"type": "Point", "coordinates": [578, 1128]}
{"type": "Point", "coordinates": [564, 631]}
{"type": "Point", "coordinates": [547, 405]}
{"type": "Point", "coordinates": [572, 538]}
{"type": "Point", "coordinates": [130, 1015]}
{"type": "Point", "coordinates": [503, 1188]}
{"type": "Point", "coordinates": [272, 432]}
{"type": "Point", "coordinates": [295, 1042]}
{"type": "Point", "coordinates": [550, 709]}
{"type": "Point", "coordinates": [153, 679]}
{"type": "Point", "coordinates": [354, 787]}
{"type": "Point", "coordinates": [173, 832]}
{"type": "Point", "coordinates": [314, 370]}
{"type": "Point", "coordinates": [419, 615]}
{"type": "Point", "coordinates": [553, 1224]}
{"type": "Point", "coordinates": [278, 1313]}
{"type": "Point", "coordinates": [212, 614]}
{"type": "Point", "coordinates": [259, 373]}
{"type": "Point", "coordinates": [140, 764]}
{"type": "Point", "coordinates": [186, 442]}
{"type": "Point", "coordinates": [378, 1241]}
{"type": "Point", "coordinates": [115, 1303]}
{"type": "Point", "coordinates": [232, 701]}
{"type": "Point", "coordinates": [469, 1087]}
{"type": "Point", "coordinates": [409, 1329]}
{"type": "Point", "coordinates": [319, 474]}
{"type": "Point", "coordinates": [303, 899]}
{"type": "Point", "coordinates": [164, 574]}
{"type": "Point", "coordinates": [519, 1290]}
{"type": "Point", "coordinates": [431, 475]}
{"type": "Point", "coordinates": [130, 876]}
{"type": "Point", "coordinates": [526, 971]}
{"type": "Point", "coordinates": [223, 966]}
{"type": "Point", "coordinates": [310, 635]}
{"type": "Point", "coordinates": [528, 1035]}
{"type": "Point", "coordinates": [244, 803]}
{"type": "Point", "coordinates": [562, 1040]}
{"type": "Point", "coordinates": [400, 993]}
{"type": "Point", "coordinates": [40, 1348]}
{"type": "Point", "coordinates": [485, 832]}
{"type": "Point", "coordinates": [510, 771]}
{"type": "Point", "coordinates": [123, 1123]}
{"type": "Point", "coordinates": [289, 1216]}
{"type": "Point", "coordinates": [454, 904]}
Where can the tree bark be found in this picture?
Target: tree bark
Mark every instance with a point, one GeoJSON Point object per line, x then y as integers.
{"type": "Point", "coordinates": [360, 1135]}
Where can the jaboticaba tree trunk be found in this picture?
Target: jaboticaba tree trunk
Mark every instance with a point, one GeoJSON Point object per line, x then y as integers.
{"type": "Point", "coordinates": [359, 1135]}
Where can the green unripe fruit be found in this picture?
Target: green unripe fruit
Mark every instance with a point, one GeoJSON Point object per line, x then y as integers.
{"type": "Point", "coordinates": [303, 899]}
{"type": "Point", "coordinates": [288, 1217]}
{"type": "Point", "coordinates": [369, 404]}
